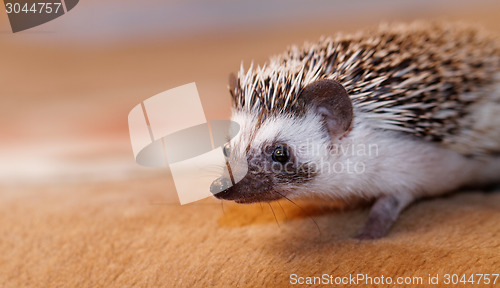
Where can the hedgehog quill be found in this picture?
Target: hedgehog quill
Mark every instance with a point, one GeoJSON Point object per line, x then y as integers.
{"type": "Point", "coordinates": [426, 96]}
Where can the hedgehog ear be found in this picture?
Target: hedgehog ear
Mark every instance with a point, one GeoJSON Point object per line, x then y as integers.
{"type": "Point", "coordinates": [331, 101]}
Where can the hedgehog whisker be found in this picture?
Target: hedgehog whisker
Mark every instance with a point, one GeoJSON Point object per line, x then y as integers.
{"type": "Point", "coordinates": [272, 210]}
{"type": "Point", "coordinates": [286, 217]}
{"type": "Point", "coordinates": [303, 210]}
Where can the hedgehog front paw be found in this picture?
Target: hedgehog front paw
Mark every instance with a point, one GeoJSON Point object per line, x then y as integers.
{"type": "Point", "coordinates": [370, 234]}
{"type": "Point", "coordinates": [382, 216]}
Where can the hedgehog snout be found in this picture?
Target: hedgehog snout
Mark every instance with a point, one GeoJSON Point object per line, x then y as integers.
{"type": "Point", "coordinates": [220, 186]}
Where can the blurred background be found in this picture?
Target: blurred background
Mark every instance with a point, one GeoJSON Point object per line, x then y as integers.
{"type": "Point", "coordinates": [77, 211]}
{"type": "Point", "coordinates": [67, 86]}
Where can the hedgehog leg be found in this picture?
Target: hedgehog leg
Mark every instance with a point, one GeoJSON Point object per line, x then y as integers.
{"type": "Point", "coordinates": [382, 216]}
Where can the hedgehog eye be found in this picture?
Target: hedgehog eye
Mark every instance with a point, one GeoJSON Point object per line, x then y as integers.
{"type": "Point", "coordinates": [226, 150]}
{"type": "Point", "coordinates": [280, 154]}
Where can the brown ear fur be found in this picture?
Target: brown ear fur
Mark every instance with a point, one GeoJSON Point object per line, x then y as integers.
{"type": "Point", "coordinates": [331, 101]}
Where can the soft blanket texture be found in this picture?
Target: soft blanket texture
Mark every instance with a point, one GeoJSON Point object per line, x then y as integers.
{"type": "Point", "coordinates": [133, 234]}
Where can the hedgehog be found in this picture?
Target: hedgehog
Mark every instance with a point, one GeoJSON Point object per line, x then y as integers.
{"type": "Point", "coordinates": [389, 115]}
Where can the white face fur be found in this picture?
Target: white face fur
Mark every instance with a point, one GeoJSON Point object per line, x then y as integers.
{"type": "Point", "coordinates": [366, 163]}
{"type": "Point", "coordinates": [306, 141]}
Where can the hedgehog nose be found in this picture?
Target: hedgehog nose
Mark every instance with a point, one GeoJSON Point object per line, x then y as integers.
{"type": "Point", "coordinates": [220, 184]}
